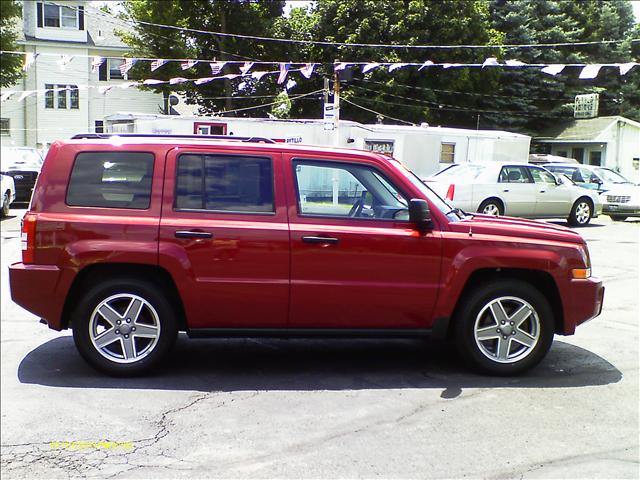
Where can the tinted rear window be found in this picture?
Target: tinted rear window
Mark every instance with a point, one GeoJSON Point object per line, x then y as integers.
{"type": "Point", "coordinates": [111, 179]}
{"type": "Point", "coordinates": [224, 183]}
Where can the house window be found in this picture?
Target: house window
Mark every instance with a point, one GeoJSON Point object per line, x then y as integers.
{"type": "Point", "coordinates": [205, 128]}
{"type": "Point", "coordinates": [68, 96]}
{"type": "Point", "coordinates": [562, 153]}
{"type": "Point", "coordinates": [60, 16]}
{"type": "Point", "coordinates": [99, 126]}
{"type": "Point", "coordinates": [447, 152]}
{"type": "Point", "coordinates": [74, 97]}
{"type": "Point", "coordinates": [110, 69]}
{"type": "Point", "coordinates": [595, 158]}
{"type": "Point", "coordinates": [62, 96]}
{"type": "Point", "coordinates": [4, 126]}
{"type": "Point", "coordinates": [48, 96]}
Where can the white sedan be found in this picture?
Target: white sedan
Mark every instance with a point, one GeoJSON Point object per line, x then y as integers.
{"type": "Point", "coordinates": [519, 190]}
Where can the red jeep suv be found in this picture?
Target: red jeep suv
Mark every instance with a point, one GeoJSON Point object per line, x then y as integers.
{"type": "Point", "coordinates": [132, 238]}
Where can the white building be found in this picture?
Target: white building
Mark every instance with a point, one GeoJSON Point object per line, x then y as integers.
{"type": "Point", "coordinates": [424, 149]}
{"type": "Point", "coordinates": [73, 103]}
{"type": "Point", "coordinates": [612, 142]}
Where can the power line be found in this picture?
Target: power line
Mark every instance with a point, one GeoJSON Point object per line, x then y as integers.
{"type": "Point", "coordinates": [369, 45]}
{"type": "Point", "coordinates": [377, 113]}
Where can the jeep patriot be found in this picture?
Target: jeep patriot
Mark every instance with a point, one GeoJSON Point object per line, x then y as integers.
{"type": "Point", "coordinates": [130, 239]}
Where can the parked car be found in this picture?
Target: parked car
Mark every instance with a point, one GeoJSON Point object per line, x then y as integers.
{"type": "Point", "coordinates": [519, 190]}
{"type": "Point", "coordinates": [546, 159]}
{"type": "Point", "coordinates": [23, 164]}
{"type": "Point", "coordinates": [590, 176]}
{"type": "Point", "coordinates": [620, 197]}
{"type": "Point", "coordinates": [8, 189]}
{"type": "Point", "coordinates": [129, 241]}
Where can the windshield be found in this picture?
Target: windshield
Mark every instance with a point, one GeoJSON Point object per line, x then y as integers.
{"type": "Point", "coordinates": [464, 173]}
{"type": "Point", "coordinates": [611, 176]}
{"type": "Point", "coordinates": [433, 197]}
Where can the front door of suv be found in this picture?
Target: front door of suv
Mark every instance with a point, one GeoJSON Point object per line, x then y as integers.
{"type": "Point", "coordinates": [356, 262]}
{"type": "Point", "coordinates": [224, 237]}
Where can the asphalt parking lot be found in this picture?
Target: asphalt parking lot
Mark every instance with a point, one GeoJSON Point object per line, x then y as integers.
{"type": "Point", "coordinates": [329, 409]}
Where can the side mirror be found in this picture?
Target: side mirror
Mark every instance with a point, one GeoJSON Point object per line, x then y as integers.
{"type": "Point", "coordinates": [419, 213]}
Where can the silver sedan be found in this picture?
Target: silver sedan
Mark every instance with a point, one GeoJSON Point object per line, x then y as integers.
{"type": "Point", "coordinates": [519, 190]}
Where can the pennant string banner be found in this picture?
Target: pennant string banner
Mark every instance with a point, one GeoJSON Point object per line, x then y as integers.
{"type": "Point", "coordinates": [284, 69]}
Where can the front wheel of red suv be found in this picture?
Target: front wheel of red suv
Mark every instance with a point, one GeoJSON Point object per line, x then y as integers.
{"type": "Point", "coordinates": [504, 327]}
{"type": "Point", "coordinates": [124, 327]}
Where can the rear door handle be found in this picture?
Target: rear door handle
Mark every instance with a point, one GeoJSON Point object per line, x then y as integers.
{"type": "Point", "coordinates": [192, 234]}
{"type": "Point", "coordinates": [326, 240]}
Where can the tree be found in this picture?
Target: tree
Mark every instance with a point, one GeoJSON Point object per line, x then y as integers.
{"type": "Point", "coordinates": [418, 95]}
{"type": "Point", "coordinates": [248, 17]}
{"type": "Point", "coordinates": [10, 64]}
{"type": "Point", "coordinates": [528, 100]}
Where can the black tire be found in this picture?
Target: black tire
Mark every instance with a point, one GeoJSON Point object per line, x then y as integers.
{"type": "Point", "coordinates": [474, 318]}
{"type": "Point", "coordinates": [492, 204]}
{"type": "Point", "coordinates": [618, 218]}
{"type": "Point", "coordinates": [5, 205]}
{"type": "Point", "coordinates": [578, 216]}
{"type": "Point", "coordinates": [155, 314]}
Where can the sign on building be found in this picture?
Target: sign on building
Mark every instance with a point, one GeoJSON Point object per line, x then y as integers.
{"type": "Point", "coordinates": [329, 116]}
{"type": "Point", "coordinates": [586, 106]}
{"type": "Point", "coordinates": [380, 146]}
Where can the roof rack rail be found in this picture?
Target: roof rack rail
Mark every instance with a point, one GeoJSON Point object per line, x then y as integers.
{"type": "Point", "coordinates": [160, 135]}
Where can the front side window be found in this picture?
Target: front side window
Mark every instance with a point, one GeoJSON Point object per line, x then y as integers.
{"type": "Point", "coordinates": [111, 180]}
{"type": "Point", "coordinates": [540, 176]}
{"type": "Point", "coordinates": [514, 175]}
{"type": "Point", "coordinates": [346, 190]}
{"type": "Point", "coordinates": [224, 183]}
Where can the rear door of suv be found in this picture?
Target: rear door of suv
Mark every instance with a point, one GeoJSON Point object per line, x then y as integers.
{"type": "Point", "coordinates": [224, 236]}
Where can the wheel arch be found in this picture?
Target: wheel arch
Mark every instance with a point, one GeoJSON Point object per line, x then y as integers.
{"type": "Point", "coordinates": [538, 279]}
{"type": "Point", "coordinates": [492, 198]}
{"type": "Point", "coordinates": [93, 274]}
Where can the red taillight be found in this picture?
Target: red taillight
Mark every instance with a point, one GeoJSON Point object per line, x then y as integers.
{"type": "Point", "coordinates": [450, 192]}
{"type": "Point", "coordinates": [28, 237]}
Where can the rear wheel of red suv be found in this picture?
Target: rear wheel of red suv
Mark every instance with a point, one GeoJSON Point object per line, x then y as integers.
{"type": "Point", "coordinates": [504, 327]}
{"type": "Point", "coordinates": [124, 327]}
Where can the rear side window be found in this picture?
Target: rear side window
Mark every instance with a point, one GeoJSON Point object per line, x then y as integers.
{"type": "Point", "coordinates": [229, 183]}
{"type": "Point", "coordinates": [111, 179]}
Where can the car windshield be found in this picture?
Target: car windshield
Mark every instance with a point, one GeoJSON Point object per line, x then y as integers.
{"type": "Point", "coordinates": [462, 173]}
{"type": "Point", "coordinates": [433, 197]}
{"type": "Point", "coordinates": [611, 176]}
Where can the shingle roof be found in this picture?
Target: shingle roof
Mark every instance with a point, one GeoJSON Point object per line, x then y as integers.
{"type": "Point", "coordinates": [101, 29]}
{"type": "Point", "coordinates": [587, 129]}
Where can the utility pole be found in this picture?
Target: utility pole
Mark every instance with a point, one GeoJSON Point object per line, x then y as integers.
{"type": "Point", "coordinates": [336, 97]}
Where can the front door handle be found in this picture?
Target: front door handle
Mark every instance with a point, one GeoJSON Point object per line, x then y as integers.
{"type": "Point", "coordinates": [325, 240]}
{"type": "Point", "coordinates": [192, 234]}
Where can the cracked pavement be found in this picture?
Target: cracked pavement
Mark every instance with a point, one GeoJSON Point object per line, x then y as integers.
{"type": "Point", "coordinates": [330, 409]}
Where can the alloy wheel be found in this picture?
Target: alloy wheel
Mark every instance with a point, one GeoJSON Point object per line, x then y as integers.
{"type": "Point", "coordinates": [507, 329]}
{"type": "Point", "coordinates": [124, 328]}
